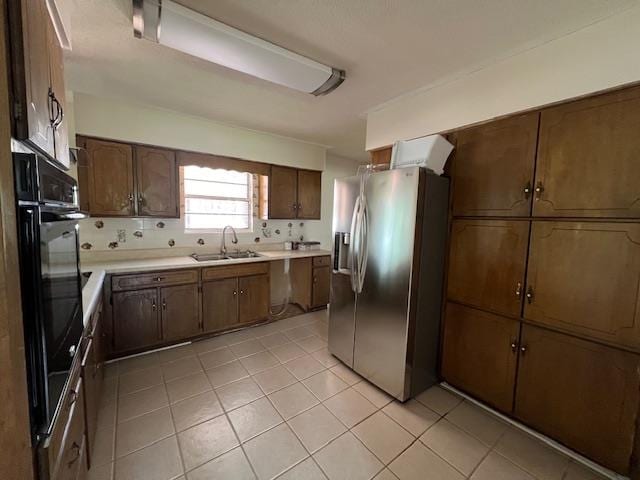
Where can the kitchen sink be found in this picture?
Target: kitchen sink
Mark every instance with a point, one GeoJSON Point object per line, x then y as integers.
{"type": "Point", "coordinates": [207, 257]}
{"type": "Point", "coordinates": [245, 254]}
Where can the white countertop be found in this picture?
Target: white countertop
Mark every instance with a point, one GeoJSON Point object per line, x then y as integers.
{"type": "Point", "coordinates": [93, 289]}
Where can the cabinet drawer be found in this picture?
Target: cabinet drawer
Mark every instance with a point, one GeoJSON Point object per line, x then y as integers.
{"type": "Point", "coordinates": [323, 261]}
{"type": "Point", "coordinates": [129, 282]}
{"type": "Point", "coordinates": [229, 271]}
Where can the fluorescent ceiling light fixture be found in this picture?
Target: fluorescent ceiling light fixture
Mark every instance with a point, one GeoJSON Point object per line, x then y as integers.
{"type": "Point", "coordinates": [170, 24]}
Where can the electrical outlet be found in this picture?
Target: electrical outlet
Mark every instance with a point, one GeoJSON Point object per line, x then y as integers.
{"type": "Point", "coordinates": [122, 236]}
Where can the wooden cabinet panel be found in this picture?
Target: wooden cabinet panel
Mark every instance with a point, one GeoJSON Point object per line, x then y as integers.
{"type": "Point", "coordinates": [254, 298]}
{"type": "Point", "coordinates": [240, 270]}
{"type": "Point", "coordinates": [323, 261]}
{"type": "Point", "coordinates": [309, 194]}
{"type": "Point", "coordinates": [493, 168]}
{"type": "Point", "coordinates": [157, 182]}
{"type": "Point", "coordinates": [479, 354]}
{"type": "Point", "coordinates": [487, 263]}
{"type": "Point", "coordinates": [155, 279]}
{"type": "Point", "coordinates": [381, 157]}
{"type": "Point", "coordinates": [283, 186]}
{"type": "Point", "coordinates": [92, 387]}
{"type": "Point", "coordinates": [584, 277]}
{"type": "Point", "coordinates": [60, 125]}
{"type": "Point", "coordinates": [219, 304]}
{"type": "Point", "coordinates": [110, 178]}
{"type": "Point", "coordinates": [300, 273]}
{"type": "Point", "coordinates": [180, 312]}
{"type": "Point", "coordinates": [321, 286]}
{"type": "Point", "coordinates": [136, 320]}
{"type": "Point", "coordinates": [588, 158]}
{"type": "Point", "coordinates": [583, 394]}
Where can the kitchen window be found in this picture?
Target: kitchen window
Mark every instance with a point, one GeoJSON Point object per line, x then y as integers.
{"type": "Point", "coordinates": [215, 198]}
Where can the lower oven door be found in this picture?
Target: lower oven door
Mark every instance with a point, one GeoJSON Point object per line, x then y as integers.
{"type": "Point", "coordinates": [61, 297]}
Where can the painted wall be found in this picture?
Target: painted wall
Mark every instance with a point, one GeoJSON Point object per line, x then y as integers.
{"type": "Point", "coordinates": [597, 57]}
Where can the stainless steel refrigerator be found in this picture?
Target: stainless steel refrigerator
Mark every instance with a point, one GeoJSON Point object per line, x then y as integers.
{"type": "Point", "coordinates": [389, 231]}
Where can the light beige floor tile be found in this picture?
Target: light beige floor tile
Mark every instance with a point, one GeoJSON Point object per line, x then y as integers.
{"type": "Point", "coordinates": [107, 414]}
{"type": "Point", "coordinates": [346, 458]}
{"type": "Point", "coordinates": [316, 427]}
{"type": "Point", "coordinates": [306, 470]}
{"type": "Point", "coordinates": [139, 362]}
{"type": "Point", "coordinates": [346, 374]}
{"type": "Point", "coordinates": [274, 379]}
{"type": "Point", "coordinates": [101, 472]}
{"type": "Point", "coordinates": [298, 333]}
{"type": "Point", "coordinates": [325, 384]}
{"type": "Point", "coordinates": [181, 368]}
{"type": "Point", "coordinates": [237, 394]}
{"type": "Point", "coordinates": [385, 475]}
{"type": "Point", "coordinates": [477, 422]}
{"type": "Point", "coordinates": [259, 361]}
{"type": "Point", "coordinates": [373, 394]}
{"type": "Point", "coordinates": [103, 446]}
{"type": "Point", "coordinates": [413, 416]}
{"type": "Point", "coordinates": [274, 340]}
{"type": "Point", "coordinates": [325, 358]}
{"type": "Point", "coordinates": [292, 400]}
{"type": "Point", "coordinates": [439, 400]}
{"type": "Point", "coordinates": [576, 471]}
{"type": "Point", "coordinates": [311, 344]}
{"type": "Point", "coordinates": [350, 407]}
{"type": "Point", "coordinates": [274, 452]}
{"type": "Point", "coordinates": [287, 352]}
{"type": "Point", "coordinates": [239, 336]}
{"type": "Point", "coordinates": [160, 461]}
{"type": "Point", "coordinates": [248, 347]}
{"type": "Point", "coordinates": [215, 358]}
{"type": "Point", "coordinates": [457, 447]}
{"type": "Point", "coordinates": [265, 329]}
{"type": "Point", "coordinates": [206, 441]}
{"type": "Point", "coordinates": [320, 328]}
{"type": "Point", "coordinates": [496, 467]}
{"type": "Point", "coordinates": [532, 455]}
{"type": "Point", "coordinates": [188, 386]}
{"type": "Point", "coordinates": [139, 403]}
{"type": "Point", "coordinates": [232, 465]}
{"type": "Point", "coordinates": [227, 373]}
{"type": "Point", "coordinates": [194, 410]}
{"type": "Point", "coordinates": [142, 431]}
{"type": "Point", "coordinates": [304, 367]}
{"type": "Point", "coordinates": [254, 418]}
{"type": "Point", "coordinates": [419, 463]}
{"type": "Point", "coordinates": [214, 343]}
{"type": "Point", "coordinates": [176, 353]}
{"type": "Point", "coordinates": [139, 380]}
{"type": "Point", "coordinates": [384, 437]}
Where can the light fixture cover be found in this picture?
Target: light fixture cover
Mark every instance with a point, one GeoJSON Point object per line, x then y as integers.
{"type": "Point", "coordinates": [177, 27]}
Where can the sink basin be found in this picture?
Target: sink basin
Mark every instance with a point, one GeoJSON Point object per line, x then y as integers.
{"type": "Point", "coordinates": [246, 254]}
{"type": "Point", "coordinates": [207, 257]}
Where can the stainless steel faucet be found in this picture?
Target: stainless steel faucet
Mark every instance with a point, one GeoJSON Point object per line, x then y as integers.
{"type": "Point", "coordinates": [223, 245]}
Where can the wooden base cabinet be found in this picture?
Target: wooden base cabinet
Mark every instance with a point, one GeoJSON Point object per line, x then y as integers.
{"type": "Point", "coordinates": [583, 394]}
{"type": "Point", "coordinates": [321, 281]}
{"type": "Point", "coordinates": [136, 321]}
{"type": "Point", "coordinates": [180, 315]}
{"type": "Point", "coordinates": [480, 354]}
{"type": "Point", "coordinates": [219, 304]}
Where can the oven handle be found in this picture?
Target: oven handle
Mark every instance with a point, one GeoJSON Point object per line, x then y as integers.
{"type": "Point", "coordinates": [52, 216]}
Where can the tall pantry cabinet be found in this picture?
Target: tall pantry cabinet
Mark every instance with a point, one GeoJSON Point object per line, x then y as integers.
{"type": "Point", "coordinates": [542, 319]}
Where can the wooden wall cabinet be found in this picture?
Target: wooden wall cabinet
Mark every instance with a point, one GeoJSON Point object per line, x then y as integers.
{"type": "Point", "coordinates": [294, 193]}
{"type": "Point", "coordinates": [487, 263]}
{"type": "Point", "coordinates": [493, 168]}
{"type": "Point", "coordinates": [156, 182]}
{"type": "Point", "coordinates": [584, 394]}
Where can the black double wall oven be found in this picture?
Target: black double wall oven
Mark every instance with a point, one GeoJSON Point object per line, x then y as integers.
{"type": "Point", "coordinates": [50, 279]}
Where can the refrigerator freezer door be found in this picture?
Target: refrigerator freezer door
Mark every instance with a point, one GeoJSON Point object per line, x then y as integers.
{"type": "Point", "coordinates": [382, 314]}
{"type": "Point", "coordinates": [343, 298]}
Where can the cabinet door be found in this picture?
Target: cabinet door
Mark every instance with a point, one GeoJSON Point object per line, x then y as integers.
{"type": "Point", "coordinates": [479, 354]}
{"type": "Point", "coordinates": [135, 320]}
{"type": "Point", "coordinates": [487, 264]}
{"type": "Point", "coordinates": [588, 158]}
{"type": "Point", "coordinates": [381, 157]}
{"type": "Point", "coordinates": [219, 304]}
{"type": "Point", "coordinates": [157, 182]}
{"type": "Point", "coordinates": [493, 168]}
{"type": "Point", "coordinates": [283, 196]}
{"type": "Point", "coordinates": [110, 178]}
{"type": "Point", "coordinates": [584, 277]}
{"type": "Point", "coordinates": [28, 21]}
{"type": "Point", "coordinates": [321, 286]}
{"type": "Point", "coordinates": [180, 312]}
{"type": "Point", "coordinates": [309, 194]}
{"type": "Point", "coordinates": [91, 389]}
{"type": "Point", "coordinates": [300, 273]}
{"type": "Point", "coordinates": [583, 394]}
{"type": "Point", "coordinates": [60, 126]}
{"type": "Point", "coordinates": [253, 303]}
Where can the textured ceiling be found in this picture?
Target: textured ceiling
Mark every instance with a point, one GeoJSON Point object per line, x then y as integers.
{"type": "Point", "coordinates": [387, 47]}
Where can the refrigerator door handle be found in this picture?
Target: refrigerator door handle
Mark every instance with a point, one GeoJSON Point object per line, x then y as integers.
{"type": "Point", "coordinates": [363, 248]}
{"type": "Point", "coordinates": [353, 254]}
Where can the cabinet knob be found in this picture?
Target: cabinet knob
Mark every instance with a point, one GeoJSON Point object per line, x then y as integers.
{"type": "Point", "coordinates": [539, 190]}
{"type": "Point", "coordinates": [140, 199]}
{"type": "Point", "coordinates": [131, 197]}
{"type": "Point", "coordinates": [514, 346]}
{"type": "Point", "coordinates": [153, 306]}
{"type": "Point", "coordinates": [164, 305]}
{"type": "Point", "coordinates": [241, 292]}
{"type": "Point", "coordinates": [159, 279]}
{"type": "Point", "coordinates": [530, 295]}
{"type": "Point", "coordinates": [518, 289]}
{"type": "Point", "coordinates": [73, 396]}
{"type": "Point", "coordinates": [523, 350]}
{"type": "Point", "coordinates": [315, 280]}
{"type": "Point", "coordinates": [294, 206]}
{"type": "Point", "coordinates": [527, 190]}
{"type": "Point", "coordinates": [235, 293]}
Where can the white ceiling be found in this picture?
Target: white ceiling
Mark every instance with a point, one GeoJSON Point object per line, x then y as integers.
{"type": "Point", "coordinates": [387, 47]}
